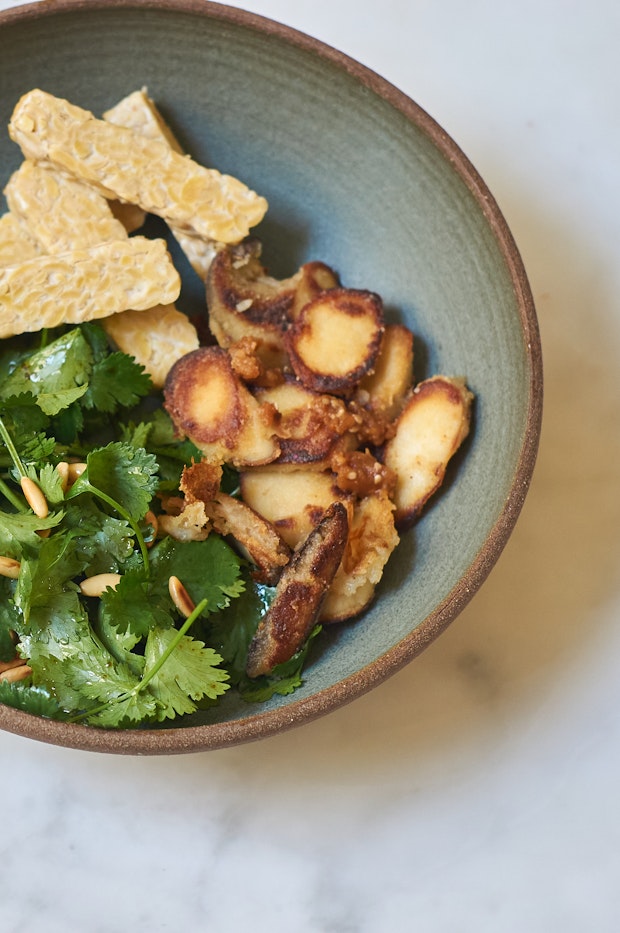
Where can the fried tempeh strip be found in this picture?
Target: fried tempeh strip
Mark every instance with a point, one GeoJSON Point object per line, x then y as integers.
{"type": "Point", "coordinates": [84, 285]}
{"type": "Point", "coordinates": [60, 213]}
{"type": "Point", "coordinates": [16, 244]}
{"type": "Point", "coordinates": [138, 112]}
{"type": "Point", "coordinates": [63, 214]}
{"type": "Point", "coordinates": [121, 164]}
{"type": "Point", "coordinates": [299, 595]}
{"type": "Point", "coordinates": [432, 426]}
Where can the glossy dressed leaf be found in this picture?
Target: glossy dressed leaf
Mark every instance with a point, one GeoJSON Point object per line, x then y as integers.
{"type": "Point", "coordinates": [126, 474]}
{"type": "Point", "coordinates": [190, 673]}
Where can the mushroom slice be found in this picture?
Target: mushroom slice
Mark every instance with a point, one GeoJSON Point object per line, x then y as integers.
{"type": "Point", "coordinates": [286, 625]}
{"type": "Point", "coordinates": [335, 340]}
{"type": "Point", "coordinates": [309, 424]}
{"type": "Point", "coordinates": [429, 431]}
{"type": "Point", "coordinates": [256, 538]}
{"type": "Point", "coordinates": [372, 538]}
{"type": "Point", "coordinates": [292, 500]}
{"type": "Point", "coordinates": [209, 404]}
{"type": "Point", "coordinates": [243, 301]}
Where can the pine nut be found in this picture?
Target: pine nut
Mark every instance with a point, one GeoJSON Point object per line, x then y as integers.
{"type": "Point", "coordinates": [180, 597]}
{"type": "Point", "coordinates": [9, 567]}
{"type": "Point", "coordinates": [99, 583]}
{"type": "Point", "coordinates": [8, 665]}
{"type": "Point", "coordinates": [16, 673]}
{"type": "Point", "coordinates": [63, 470]}
{"type": "Point", "coordinates": [75, 470]}
{"type": "Point", "coordinates": [34, 497]}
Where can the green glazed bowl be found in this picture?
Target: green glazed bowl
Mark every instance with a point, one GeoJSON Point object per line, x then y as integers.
{"type": "Point", "coordinates": [359, 176]}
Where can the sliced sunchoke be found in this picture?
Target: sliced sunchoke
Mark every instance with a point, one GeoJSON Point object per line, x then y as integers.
{"type": "Point", "coordinates": [299, 595]}
{"type": "Point", "coordinates": [293, 500]}
{"type": "Point", "coordinates": [254, 536]}
{"type": "Point", "coordinates": [209, 404]}
{"type": "Point", "coordinates": [429, 431]}
{"type": "Point", "coordinates": [372, 538]}
{"type": "Point", "coordinates": [244, 301]}
{"type": "Point", "coordinates": [335, 340]}
{"type": "Point", "coordinates": [309, 423]}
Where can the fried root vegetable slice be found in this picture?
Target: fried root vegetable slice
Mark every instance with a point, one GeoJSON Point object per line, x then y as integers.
{"type": "Point", "coordinates": [372, 538]}
{"type": "Point", "coordinates": [122, 164]}
{"type": "Point", "coordinates": [335, 340]}
{"type": "Point", "coordinates": [83, 285]}
{"type": "Point", "coordinates": [384, 389]}
{"type": "Point", "coordinates": [257, 539]}
{"type": "Point", "coordinates": [292, 500]}
{"type": "Point", "coordinates": [286, 625]}
{"type": "Point", "coordinates": [210, 405]}
{"type": "Point", "coordinates": [429, 431]}
{"type": "Point", "coordinates": [309, 424]}
{"type": "Point", "coordinates": [244, 301]}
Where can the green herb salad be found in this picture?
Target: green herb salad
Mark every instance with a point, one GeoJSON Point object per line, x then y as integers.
{"type": "Point", "coordinates": [128, 657]}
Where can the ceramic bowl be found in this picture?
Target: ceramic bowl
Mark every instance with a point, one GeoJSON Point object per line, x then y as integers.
{"type": "Point", "coordinates": [361, 177]}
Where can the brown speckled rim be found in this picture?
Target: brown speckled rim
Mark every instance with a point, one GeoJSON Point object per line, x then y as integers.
{"type": "Point", "coordinates": [219, 735]}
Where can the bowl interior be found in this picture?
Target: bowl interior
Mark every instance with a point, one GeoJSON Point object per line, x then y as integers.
{"type": "Point", "coordinates": [361, 178]}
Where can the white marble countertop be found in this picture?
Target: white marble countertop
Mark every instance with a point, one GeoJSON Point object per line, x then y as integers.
{"type": "Point", "coordinates": [478, 789]}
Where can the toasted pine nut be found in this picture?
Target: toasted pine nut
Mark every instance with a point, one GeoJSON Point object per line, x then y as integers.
{"type": "Point", "coordinates": [9, 567]}
{"type": "Point", "coordinates": [180, 597]}
{"type": "Point", "coordinates": [34, 497]}
{"type": "Point", "coordinates": [75, 470]}
{"type": "Point", "coordinates": [151, 519]}
{"type": "Point", "coordinates": [8, 665]}
{"type": "Point", "coordinates": [63, 470]}
{"type": "Point", "coordinates": [16, 673]}
{"type": "Point", "coordinates": [96, 585]}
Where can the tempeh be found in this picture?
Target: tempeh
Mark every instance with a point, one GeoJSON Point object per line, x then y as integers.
{"type": "Point", "coordinates": [120, 163]}
{"type": "Point", "coordinates": [16, 244]}
{"type": "Point", "coordinates": [84, 285]}
{"type": "Point", "coordinates": [60, 213]}
{"type": "Point", "coordinates": [139, 113]}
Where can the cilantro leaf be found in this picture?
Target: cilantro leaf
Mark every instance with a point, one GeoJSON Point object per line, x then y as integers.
{"type": "Point", "coordinates": [18, 532]}
{"type": "Point", "coordinates": [56, 375]}
{"type": "Point", "coordinates": [190, 673]}
{"type": "Point", "coordinates": [126, 474]}
{"type": "Point", "coordinates": [9, 618]}
{"type": "Point", "coordinates": [105, 543]}
{"type": "Point", "coordinates": [208, 569]}
{"type": "Point", "coordinates": [116, 381]}
{"type": "Point", "coordinates": [30, 699]}
{"type": "Point", "coordinates": [135, 607]}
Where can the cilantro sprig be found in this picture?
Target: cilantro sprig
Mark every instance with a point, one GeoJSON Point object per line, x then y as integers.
{"type": "Point", "coordinates": [128, 658]}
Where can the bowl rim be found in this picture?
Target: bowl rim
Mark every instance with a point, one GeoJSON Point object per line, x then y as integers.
{"type": "Point", "coordinates": [183, 739]}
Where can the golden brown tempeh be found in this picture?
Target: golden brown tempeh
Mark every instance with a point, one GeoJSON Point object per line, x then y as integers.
{"type": "Point", "coordinates": [84, 285]}
{"type": "Point", "coordinates": [60, 213]}
{"type": "Point", "coordinates": [120, 163]}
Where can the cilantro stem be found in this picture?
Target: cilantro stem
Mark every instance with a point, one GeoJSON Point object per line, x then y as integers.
{"type": "Point", "coordinates": [15, 501]}
{"type": "Point", "coordinates": [10, 446]}
{"type": "Point", "coordinates": [148, 676]}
